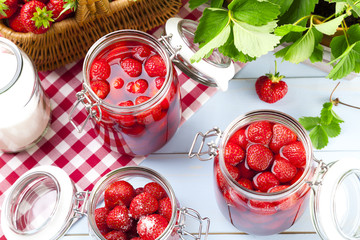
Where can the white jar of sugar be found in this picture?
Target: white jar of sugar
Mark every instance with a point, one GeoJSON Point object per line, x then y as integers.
{"type": "Point", "coordinates": [24, 106]}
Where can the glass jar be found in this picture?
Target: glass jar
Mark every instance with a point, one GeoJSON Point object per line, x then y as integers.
{"type": "Point", "coordinates": [24, 106]}
{"type": "Point", "coordinates": [27, 214]}
{"type": "Point", "coordinates": [334, 186]}
{"type": "Point", "coordinates": [147, 136]}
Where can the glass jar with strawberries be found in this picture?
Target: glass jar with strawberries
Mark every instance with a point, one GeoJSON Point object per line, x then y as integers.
{"type": "Point", "coordinates": [264, 171]}
{"type": "Point", "coordinates": [127, 203]}
{"type": "Point", "coordinates": [131, 88]}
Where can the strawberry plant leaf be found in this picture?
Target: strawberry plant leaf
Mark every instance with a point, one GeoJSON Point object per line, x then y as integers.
{"type": "Point", "coordinates": [254, 12]}
{"type": "Point", "coordinates": [309, 122]}
{"type": "Point", "coordinates": [287, 28]}
{"type": "Point", "coordinates": [339, 8]}
{"type": "Point", "coordinates": [329, 28]}
{"type": "Point", "coordinates": [338, 46]}
{"type": "Point", "coordinates": [216, 3]}
{"type": "Point", "coordinates": [196, 3]}
{"type": "Point", "coordinates": [317, 55]}
{"type": "Point", "coordinates": [284, 5]}
{"type": "Point", "coordinates": [333, 129]}
{"type": "Point", "coordinates": [336, 117]}
{"type": "Point", "coordinates": [254, 40]}
{"type": "Point", "coordinates": [319, 137]}
{"type": "Point", "coordinates": [297, 10]}
{"type": "Point", "coordinates": [326, 115]}
{"type": "Point", "coordinates": [354, 33]}
{"type": "Point", "coordinates": [354, 7]}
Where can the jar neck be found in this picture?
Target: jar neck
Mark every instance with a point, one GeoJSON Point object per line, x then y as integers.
{"type": "Point", "coordinates": [128, 35]}
{"type": "Point", "coordinates": [271, 116]}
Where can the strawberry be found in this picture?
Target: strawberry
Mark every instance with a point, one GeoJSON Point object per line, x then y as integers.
{"type": "Point", "coordinates": [264, 181]}
{"type": "Point", "coordinates": [155, 189]}
{"type": "Point", "coordinates": [151, 227]}
{"type": "Point", "coordinates": [115, 235]}
{"type": "Point", "coordinates": [245, 171]}
{"type": "Point", "coordinates": [101, 88]}
{"type": "Point", "coordinates": [118, 83]}
{"type": "Point", "coordinates": [239, 138]}
{"type": "Point", "coordinates": [234, 171]}
{"type": "Point", "coordinates": [100, 219]}
{"type": "Point", "coordinates": [299, 173]}
{"type": "Point", "coordinates": [286, 203]}
{"type": "Point", "coordinates": [139, 190]}
{"type": "Point", "coordinates": [165, 208]}
{"type": "Point", "coordinates": [118, 193]}
{"type": "Point", "coordinates": [8, 8]}
{"type": "Point", "coordinates": [281, 137]}
{"type": "Point", "coordinates": [99, 70]}
{"type": "Point", "coordinates": [119, 53]}
{"type": "Point", "coordinates": [259, 157]}
{"type": "Point", "coordinates": [126, 120]}
{"type": "Point", "coordinates": [139, 86]}
{"type": "Point", "coordinates": [259, 132]}
{"type": "Point", "coordinates": [119, 219]}
{"type": "Point", "coordinates": [132, 67]}
{"type": "Point", "coordinates": [142, 51]}
{"type": "Point", "coordinates": [270, 88]}
{"type": "Point", "coordinates": [149, 116]}
{"type": "Point", "coordinates": [155, 66]}
{"type": "Point", "coordinates": [295, 153]}
{"type": "Point", "coordinates": [262, 207]}
{"type": "Point", "coordinates": [159, 82]}
{"type": "Point", "coordinates": [278, 188]}
{"type": "Point", "coordinates": [35, 17]}
{"type": "Point", "coordinates": [233, 154]}
{"type": "Point", "coordinates": [283, 169]}
{"type": "Point", "coordinates": [61, 8]}
{"type": "Point", "coordinates": [246, 183]}
{"type": "Point", "coordinates": [135, 130]}
{"type": "Point", "coordinates": [143, 204]}
{"type": "Point", "coordinates": [15, 22]}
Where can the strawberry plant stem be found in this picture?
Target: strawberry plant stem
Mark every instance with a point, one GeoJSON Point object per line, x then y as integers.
{"type": "Point", "coordinates": [337, 101]}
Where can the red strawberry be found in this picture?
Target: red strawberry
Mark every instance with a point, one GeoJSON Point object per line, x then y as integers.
{"type": "Point", "coordinates": [100, 219]}
{"type": "Point", "coordinates": [132, 67]}
{"type": "Point", "coordinates": [286, 203]}
{"type": "Point", "coordinates": [115, 235]}
{"type": "Point", "coordinates": [246, 183]}
{"type": "Point", "coordinates": [155, 189]}
{"type": "Point", "coordinates": [159, 82]}
{"type": "Point", "coordinates": [295, 153]}
{"type": "Point", "coordinates": [15, 22]}
{"type": "Point", "coordinates": [233, 154]}
{"type": "Point", "coordinates": [119, 219]}
{"type": "Point", "coordinates": [139, 86]}
{"type": "Point", "coordinates": [126, 120]}
{"type": "Point", "coordinates": [259, 157]}
{"type": "Point", "coordinates": [139, 190]}
{"type": "Point", "coordinates": [281, 137]}
{"type": "Point", "coordinates": [142, 51]}
{"type": "Point", "coordinates": [264, 181]}
{"type": "Point", "coordinates": [8, 8]}
{"type": "Point", "coordinates": [119, 193]}
{"type": "Point", "coordinates": [151, 227]}
{"type": "Point", "coordinates": [61, 8]}
{"type": "Point", "coordinates": [36, 17]}
{"type": "Point", "coordinates": [270, 88]}
{"type": "Point", "coordinates": [262, 207]}
{"type": "Point", "coordinates": [165, 208]}
{"type": "Point", "coordinates": [245, 171]}
{"type": "Point", "coordinates": [283, 169]}
{"type": "Point", "coordinates": [119, 53]}
{"type": "Point", "coordinates": [299, 173]}
{"type": "Point", "coordinates": [149, 116]}
{"type": "Point", "coordinates": [259, 132]}
{"type": "Point", "coordinates": [234, 171]}
{"type": "Point", "coordinates": [100, 70]}
{"type": "Point", "coordinates": [239, 138]}
{"type": "Point", "coordinates": [143, 204]}
{"type": "Point", "coordinates": [155, 66]}
{"type": "Point", "coordinates": [135, 130]}
{"type": "Point", "coordinates": [101, 88]}
{"type": "Point", "coordinates": [278, 188]}
{"type": "Point", "coordinates": [118, 83]}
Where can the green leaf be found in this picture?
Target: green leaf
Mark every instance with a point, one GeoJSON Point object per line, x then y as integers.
{"type": "Point", "coordinates": [339, 8]}
{"type": "Point", "coordinates": [196, 3]}
{"type": "Point", "coordinates": [297, 10]}
{"type": "Point", "coordinates": [285, 29]}
{"type": "Point", "coordinates": [291, 37]}
{"type": "Point", "coordinates": [354, 33]}
{"type": "Point", "coordinates": [355, 8]}
{"type": "Point", "coordinates": [284, 5]}
{"type": "Point", "coordinates": [317, 55]}
{"type": "Point", "coordinates": [336, 117]}
{"type": "Point", "coordinates": [254, 40]}
{"type": "Point", "coordinates": [326, 115]}
{"type": "Point", "coordinates": [333, 129]}
{"type": "Point", "coordinates": [338, 46]}
{"type": "Point", "coordinates": [254, 12]}
{"type": "Point", "coordinates": [309, 122]}
{"type": "Point", "coordinates": [318, 137]}
{"type": "Point", "coordinates": [216, 3]}
{"type": "Point", "coordinates": [329, 28]}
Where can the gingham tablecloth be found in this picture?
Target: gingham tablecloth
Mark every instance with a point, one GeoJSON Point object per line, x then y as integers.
{"type": "Point", "coordinates": [80, 154]}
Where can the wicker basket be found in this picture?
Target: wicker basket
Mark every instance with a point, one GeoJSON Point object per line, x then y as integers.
{"type": "Point", "coordinates": [70, 39]}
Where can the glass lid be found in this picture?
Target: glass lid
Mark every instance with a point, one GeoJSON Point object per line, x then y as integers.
{"type": "Point", "coordinates": [39, 205]}
{"type": "Point", "coordinates": [215, 71]}
{"type": "Point", "coordinates": [334, 205]}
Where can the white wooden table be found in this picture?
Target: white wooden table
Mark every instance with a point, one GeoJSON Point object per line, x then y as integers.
{"type": "Point", "coordinates": [192, 180]}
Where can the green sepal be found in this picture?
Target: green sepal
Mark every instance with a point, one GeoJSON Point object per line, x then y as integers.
{"type": "Point", "coordinates": [3, 8]}
{"type": "Point", "coordinates": [42, 17]}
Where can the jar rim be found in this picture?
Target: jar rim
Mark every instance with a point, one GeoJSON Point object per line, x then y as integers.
{"type": "Point", "coordinates": [286, 120]}
{"type": "Point", "coordinates": [132, 35]}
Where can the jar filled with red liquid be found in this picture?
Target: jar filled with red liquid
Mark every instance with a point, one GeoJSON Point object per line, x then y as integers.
{"type": "Point", "coordinates": [265, 173]}
{"type": "Point", "coordinates": [131, 89]}
{"type": "Point", "coordinates": [126, 203]}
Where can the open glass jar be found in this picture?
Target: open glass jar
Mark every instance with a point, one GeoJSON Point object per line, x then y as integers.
{"type": "Point", "coordinates": [44, 203]}
{"type": "Point", "coordinates": [333, 189]}
{"type": "Point", "coordinates": [25, 108]}
{"type": "Point", "coordinates": [133, 126]}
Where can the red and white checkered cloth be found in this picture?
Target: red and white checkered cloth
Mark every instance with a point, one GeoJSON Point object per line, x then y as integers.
{"type": "Point", "coordinates": [80, 154]}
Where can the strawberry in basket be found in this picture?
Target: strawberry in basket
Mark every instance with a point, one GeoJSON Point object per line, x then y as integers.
{"type": "Point", "coordinates": [8, 8]}
{"type": "Point", "coordinates": [35, 17]}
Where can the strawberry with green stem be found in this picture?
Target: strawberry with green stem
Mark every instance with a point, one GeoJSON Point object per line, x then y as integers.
{"type": "Point", "coordinates": [35, 17]}
{"type": "Point", "coordinates": [8, 8]}
{"type": "Point", "coordinates": [62, 8]}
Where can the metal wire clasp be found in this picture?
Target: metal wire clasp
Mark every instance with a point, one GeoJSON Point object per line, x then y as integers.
{"type": "Point", "coordinates": [80, 203]}
{"type": "Point", "coordinates": [183, 213]}
{"type": "Point", "coordinates": [83, 98]}
{"type": "Point", "coordinates": [173, 51]}
{"type": "Point", "coordinates": [213, 145]}
{"type": "Point", "coordinates": [321, 169]}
